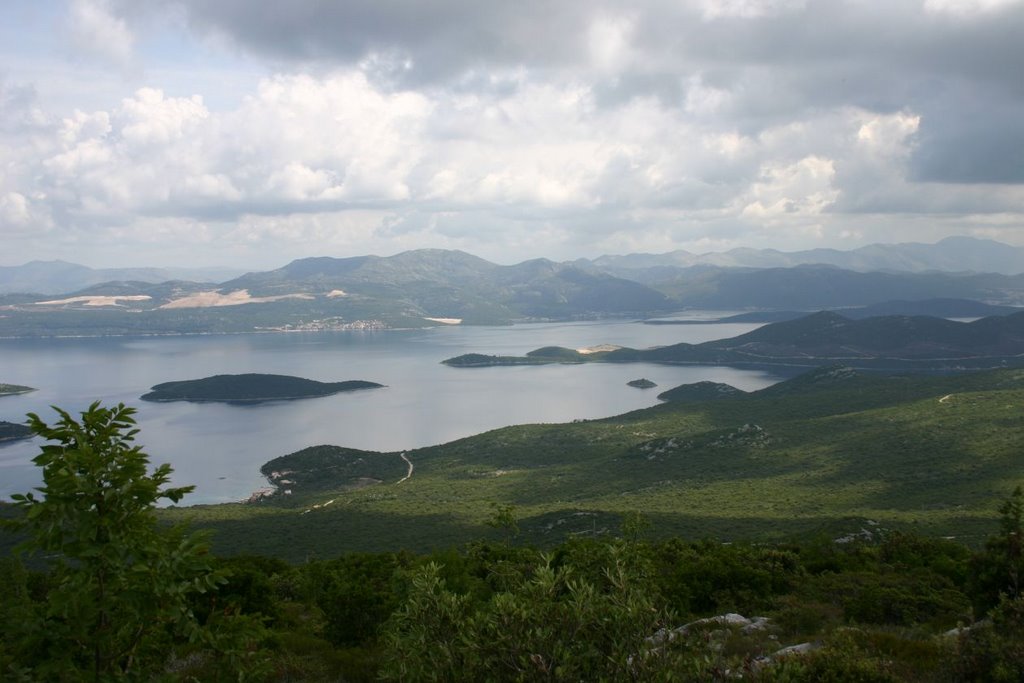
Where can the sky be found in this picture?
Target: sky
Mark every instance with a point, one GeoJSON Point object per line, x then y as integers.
{"type": "Point", "coordinates": [248, 133]}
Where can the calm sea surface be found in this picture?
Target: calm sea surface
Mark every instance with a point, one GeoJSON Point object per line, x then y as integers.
{"type": "Point", "coordinates": [220, 448]}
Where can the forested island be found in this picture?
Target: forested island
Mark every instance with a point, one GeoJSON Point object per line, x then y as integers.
{"type": "Point", "coordinates": [9, 431]}
{"type": "Point", "coordinates": [250, 388]}
{"type": "Point", "coordinates": [11, 389]}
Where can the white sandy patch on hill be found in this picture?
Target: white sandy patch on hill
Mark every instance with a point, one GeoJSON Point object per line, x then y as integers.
{"type": "Point", "coordinates": [335, 293]}
{"type": "Point", "coordinates": [600, 348]}
{"type": "Point", "coordinates": [214, 298]}
{"type": "Point", "coordinates": [446, 321]}
{"type": "Point", "coordinates": [96, 300]}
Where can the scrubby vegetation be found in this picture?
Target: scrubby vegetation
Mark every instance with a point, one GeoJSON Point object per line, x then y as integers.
{"type": "Point", "coordinates": [832, 451]}
{"type": "Point", "coordinates": [897, 607]}
{"type": "Point", "coordinates": [792, 534]}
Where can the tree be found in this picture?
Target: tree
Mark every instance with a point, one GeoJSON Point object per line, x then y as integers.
{"type": "Point", "coordinates": [503, 517]}
{"type": "Point", "coordinates": [549, 624]}
{"type": "Point", "coordinates": [1010, 523]}
{"type": "Point", "coordinates": [121, 583]}
{"type": "Point", "coordinates": [997, 570]}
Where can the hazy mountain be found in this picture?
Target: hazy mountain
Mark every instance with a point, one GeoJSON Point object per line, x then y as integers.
{"type": "Point", "coordinates": [939, 308]}
{"type": "Point", "coordinates": [953, 254]}
{"type": "Point", "coordinates": [821, 338]}
{"type": "Point", "coordinates": [453, 284]}
{"type": "Point", "coordinates": [56, 277]}
{"type": "Point", "coordinates": [411, 289]}
{"type": "Point", "coordinates": [820, 287]}
{"type": "Point", "coordinates": [431, 286]}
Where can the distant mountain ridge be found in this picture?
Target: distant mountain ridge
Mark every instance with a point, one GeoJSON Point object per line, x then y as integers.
{"type": "Point", "coordinates": [412, 289]}
{"type": "Point", "coordinates": [827, 337]}
{"type": "Point", "coordinates": [814, 288]}
{"type": "Point", "coordinates": [435, 286]}
{"type": "Point", "coordinates": [58, 277]}
{"type": "Point", "coordinates": [953, 254]}
{"type": "Point", "coordinates": [938, 308]}
{"type": "Point", "coordinates": [454, 284]}
{"type": "Point", "coordinates": [824, 338]}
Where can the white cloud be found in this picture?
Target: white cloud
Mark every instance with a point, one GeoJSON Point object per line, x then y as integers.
{"type": "Point", "coordinates": [14, 209]}
{"type": "Point", "coordinates": [609, 40]}
{"type": "Point", "coordinates": [150, 120]}
{"type": "Point", "coordinates": [966, 7]}
{"type": "Point", "coordinates": [652, 126]}
{"type": "Point", "coordinates": [887, 135]}
{"type": "Point", "coordinates": [748, 9]}
{"type": "Point", "coordinates": [336, 162]}
{"type": "Point", "coordinates": [804, 187]}
{"type": "Point", "coordinates": [97, 32]}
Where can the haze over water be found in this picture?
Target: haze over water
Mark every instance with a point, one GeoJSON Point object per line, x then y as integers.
{"type": "Point", "coordinates": [220, 447]}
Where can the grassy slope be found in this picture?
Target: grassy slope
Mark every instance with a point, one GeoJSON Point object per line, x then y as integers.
{"type": "Point", "coordinates": [822, 456]}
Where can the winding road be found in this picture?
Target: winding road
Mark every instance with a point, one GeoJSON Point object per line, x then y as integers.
{"type": "Point", "coordinates": [408, 475]}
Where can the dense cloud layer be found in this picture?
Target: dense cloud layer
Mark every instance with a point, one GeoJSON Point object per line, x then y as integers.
{"type": "Point", "coordinates": [525, 129]}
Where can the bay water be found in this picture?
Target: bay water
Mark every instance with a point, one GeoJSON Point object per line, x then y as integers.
{"type": "Point", "coordinates": [220, 447]}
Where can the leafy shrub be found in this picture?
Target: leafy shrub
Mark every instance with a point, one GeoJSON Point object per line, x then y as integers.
{"type": "Point", "coordinates": [993, 650]}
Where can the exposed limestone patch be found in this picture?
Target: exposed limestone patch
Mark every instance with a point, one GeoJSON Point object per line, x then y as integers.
{"type": "Point", "coordinates": [95, 300]}
{"type": "Point", "coordinates": [214, 299]}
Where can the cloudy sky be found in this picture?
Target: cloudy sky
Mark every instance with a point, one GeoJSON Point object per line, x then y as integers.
{"type": "Point", "coordinates": [251, 132]}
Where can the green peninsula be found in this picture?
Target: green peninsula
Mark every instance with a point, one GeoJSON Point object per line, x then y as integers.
{"type": "Point", "coordinates": [11, 389]}
{"type": "Point", "coordinates": [250, 388]}
{"type": "Point", "coordinates": [892, 342]}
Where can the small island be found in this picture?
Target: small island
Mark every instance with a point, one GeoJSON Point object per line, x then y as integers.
{"type": "Point", "coordinates": [9, 431]}
{"type": "Point", "coordinates": [12, 389]}
{"type": "Point", "coordinates": [642, 383]}
{"type": "Point", "coordinates": [250, 388]}
{"type": "Point", "coordinates": [700, 392]}
{"type": "Point", "coordinates": [541, 356]}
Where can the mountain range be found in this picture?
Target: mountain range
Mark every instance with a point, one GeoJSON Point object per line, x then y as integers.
{"type": "Point", "coordinates": [58, 277]}
{"type": "Point", "coordinates": [830, 336]}
{"type": "Point", "coordinates": [953, 254]}
{"type": "Point", "coordinates": [432, 286]}
{"type": "Point", "coordinates": [413, 289]}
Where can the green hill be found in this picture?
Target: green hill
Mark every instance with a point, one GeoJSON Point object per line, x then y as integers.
{"type": "Point", "coordinates": [408, 290]}
{"type": "Point", "coordinates": [824, 451]}
{"type": "Point", "coordinates": [700, 391]}
{"type": "Point", "coordinates": [250, 388]}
